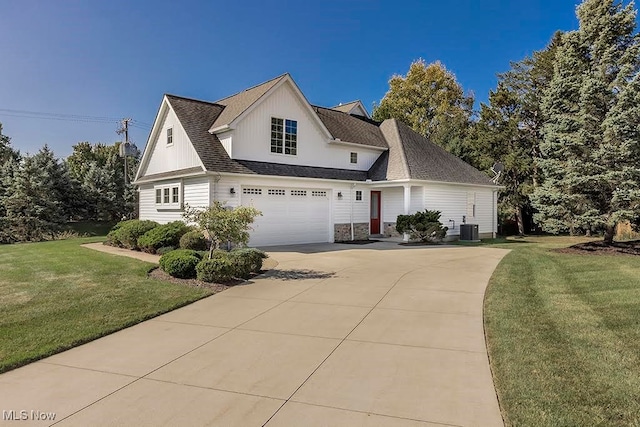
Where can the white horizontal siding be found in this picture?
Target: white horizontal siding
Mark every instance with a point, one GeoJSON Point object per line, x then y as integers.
{"type": "Point", "coordinates": [392, 203]}
{"type": "Point", "coordinates": [452, 202]}
{"type": "Point", "coordinates": [252, 137]}
{"type": "Point", "coordinates": [417, 199]}
{"type": "Point", "coordinates": [195, 193]}
{"type": "Point", "coordinates": [342, 207]}
{"type": "Point", "coordinates": [179, 155]}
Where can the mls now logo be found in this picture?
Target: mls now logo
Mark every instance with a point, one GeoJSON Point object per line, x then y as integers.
{"type": "Point", "coordinates": [24, 415]}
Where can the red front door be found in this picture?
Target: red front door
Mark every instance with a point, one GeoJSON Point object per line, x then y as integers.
{"type": "Point", "coordinates": [375, 212]}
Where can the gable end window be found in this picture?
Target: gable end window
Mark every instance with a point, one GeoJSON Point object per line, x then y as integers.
{"type": "Point", "coordinates": [169, 136]}
{"type": "Point", "coordinates": [354, 157]}
{"type": "Point", "coordinates": [284, 136]}
{"type": "Point", "coordinates": [168, 196]}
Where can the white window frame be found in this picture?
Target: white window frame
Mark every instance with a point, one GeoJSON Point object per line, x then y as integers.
{"type": "Point", "coordinates": [359, 193]}
{"type": "Point", "coordinates": [284, 137]}
{"type": "Point", "coordinates": [353, 158]}
{"type": "Point", "coordinates": [168, 190]}
{"type": "Point", "coordinates": [169, 135]}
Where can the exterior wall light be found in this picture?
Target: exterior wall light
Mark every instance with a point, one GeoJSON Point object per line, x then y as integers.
{"type": "Point", "coordinates": [232, 191]}
{"type": "Point", "coordinates": [339, 194]}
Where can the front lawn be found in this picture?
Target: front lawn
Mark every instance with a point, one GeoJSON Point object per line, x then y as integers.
{"type": "Point", "coordinates": [563, 333]}
{"type": "Point", "coordinates": [56, 295]}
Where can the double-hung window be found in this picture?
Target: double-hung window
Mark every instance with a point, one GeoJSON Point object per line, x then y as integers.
{"type": "Point", "coordinates": [169, 136]}
{"type": "Point", "coordinates": [284, 136]}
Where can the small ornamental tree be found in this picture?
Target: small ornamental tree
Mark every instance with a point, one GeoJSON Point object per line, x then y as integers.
{"type": "Point", "coordinates": [424, 226]}
{"type": "Point", "coordinates": [223, 224]}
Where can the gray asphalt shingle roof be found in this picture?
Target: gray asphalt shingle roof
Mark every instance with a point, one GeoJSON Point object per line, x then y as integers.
{"type": "Point", "coordinates": [235, 105]}
{"type": "Point", "coordinates": [408, 156]}
{"type": "Point", "coordinates": [348, 128]}
{"type": "Point", "coordinates": [412, 156]}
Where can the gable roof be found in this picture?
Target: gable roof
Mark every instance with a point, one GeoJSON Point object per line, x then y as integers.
{"type": "Point", "coordinates": [237, 104]}
{"type": "Point", "coordinates": [412, 156]}
{"type": "Point", "coordinates": [196, 117]}
{"type": "Point", "coordinates": [350, 106]}
{"type": "Point", "coordinates": [406, 154]}
{"type": "Point", "coordinates": [354, 129]}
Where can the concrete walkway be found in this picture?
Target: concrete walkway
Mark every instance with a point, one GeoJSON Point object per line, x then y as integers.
{"type": "Point", "coordinates": [363, 336]}
{"type": "Point", "coordinates": [142, 256]}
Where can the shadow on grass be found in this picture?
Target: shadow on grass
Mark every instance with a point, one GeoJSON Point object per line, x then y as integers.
{"type": "Point", "coordinates": [298, 274]}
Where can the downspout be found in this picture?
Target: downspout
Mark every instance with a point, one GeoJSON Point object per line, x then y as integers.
{"type": "Point", "coordinates": [351, 217]}
{"type": "Point", "coordinates": [216, 179]}
{"type": "Point", "coordinates": [493, 214]}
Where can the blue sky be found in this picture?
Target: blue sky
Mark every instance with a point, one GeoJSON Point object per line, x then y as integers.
{"type": "Point", "coordinates": [115, 59]}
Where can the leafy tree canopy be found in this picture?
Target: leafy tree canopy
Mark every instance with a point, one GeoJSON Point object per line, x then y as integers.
{"type": "Point", "coordinates": [432, 102]}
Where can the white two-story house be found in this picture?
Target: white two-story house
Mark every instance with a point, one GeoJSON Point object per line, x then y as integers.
{"type": "Point", "coordinates": [317, 174]}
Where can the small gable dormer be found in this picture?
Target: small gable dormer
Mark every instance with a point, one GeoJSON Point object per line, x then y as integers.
{"type": "Point", "coordinates": [354, 108]}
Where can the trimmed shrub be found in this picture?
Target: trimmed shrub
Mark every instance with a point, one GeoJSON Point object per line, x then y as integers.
{"type": "Point", "coordinates": [193, 240]}
{"type": "Point", "coordinates": [163, 235]}
{"type": "Point", "coordinates": [126, 233]}
{"type": "Point", "coordinates": [180, 263]}
{"type": "Point", "coordinates": [218, 269]}
{"type": "Point", "coordinates": [424, 226]}
{"type": "Point", "coordinates": [252, 257]}
{"type": "Point", "coordinates": [165, 249]}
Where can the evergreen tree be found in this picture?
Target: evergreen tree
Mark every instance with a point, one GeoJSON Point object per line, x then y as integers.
{"type": "Point", "coordinates": [588, 160]}
{"type": "Point", "coordinates": [432, 102]}
{"type": "Point", "coordinates": [99, 170]}
{"type": "Point", "coordinates": [33, 210]}
{"type": "Point", "coordinates": [510, 130]}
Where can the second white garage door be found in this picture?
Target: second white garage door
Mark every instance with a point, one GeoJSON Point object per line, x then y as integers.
{"type": "Point", "coordinates": [289, 215]}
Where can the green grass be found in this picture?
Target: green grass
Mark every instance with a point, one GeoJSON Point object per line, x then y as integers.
{"type": "Point", "coordinates": [563, 333]}
{"type": "Point", "coordinates": [56, 295]}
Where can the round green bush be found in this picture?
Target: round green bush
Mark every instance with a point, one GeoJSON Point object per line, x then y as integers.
{"type": "Point", "coordinates": [216, 270]}
{"type": "Point", "coordinates": [180, 263]}
{"type": "Point", "coordinates": [126, 233]}
{"type": "Point", "coordinates": [252, 257]}
{"type": "Point", "coordinates": [163, 235]}
{"type": "Point", "coordinates": [193, 240]}
{"type": "Point", "coordinates": [165, 249]}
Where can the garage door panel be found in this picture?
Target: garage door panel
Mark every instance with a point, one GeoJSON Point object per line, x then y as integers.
{"type": "Point", "coordinates": [289, 215]}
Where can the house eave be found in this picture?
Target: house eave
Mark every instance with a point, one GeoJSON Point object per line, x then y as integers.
{"type": "Point", "coordinates": [353, 144]}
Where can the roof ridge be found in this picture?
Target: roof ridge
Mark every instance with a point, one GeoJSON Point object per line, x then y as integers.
{"type": "Point", "coordinates": [186, 98]}
{"type": "Point", "coordinates": [355, 101]}
{"type": "Point", "coordinates": [403, 153]}
{"type": "Point", "coordinates": [253, 87]}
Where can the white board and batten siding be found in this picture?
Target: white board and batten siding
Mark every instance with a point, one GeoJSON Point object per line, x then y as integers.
{"type": "Point", "coordinates": [195, 193]}
{"type": "Point", "coordinates": [456, 201]}
{"type": "Point", "coordinates": [180, 154]}
{"type": "Point", "coordinates": [251, 140]}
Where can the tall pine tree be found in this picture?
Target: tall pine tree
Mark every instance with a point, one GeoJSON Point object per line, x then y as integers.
{"type": "Point", "coordinates": [510, 130]}
{"type": "Point", "coordinates": [582, 155]}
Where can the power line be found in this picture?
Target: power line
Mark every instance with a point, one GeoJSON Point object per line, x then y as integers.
{"type": "Point", "coordinates": [70, 116]}
{"type": "Point", "coordinates": [67, 119]}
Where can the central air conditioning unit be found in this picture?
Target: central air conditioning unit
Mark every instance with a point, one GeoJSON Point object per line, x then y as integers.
{"type": "Point", "coordinates": [469, 233]}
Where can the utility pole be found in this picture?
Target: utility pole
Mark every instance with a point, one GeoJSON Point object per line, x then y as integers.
{"type": "Point", "coordinates": [124, 147]}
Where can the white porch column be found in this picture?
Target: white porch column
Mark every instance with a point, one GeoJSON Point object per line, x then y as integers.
{"type": "Point", "coordinates": [407, 206]}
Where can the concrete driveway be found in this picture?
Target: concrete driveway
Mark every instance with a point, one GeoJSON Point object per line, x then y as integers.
{"type": "Point", "coordinates": [375, 335]}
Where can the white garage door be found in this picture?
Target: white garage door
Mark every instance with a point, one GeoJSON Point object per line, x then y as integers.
{"type": "Point", "coordinates": [289, 215]}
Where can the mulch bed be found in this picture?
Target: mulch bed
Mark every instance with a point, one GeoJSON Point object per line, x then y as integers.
{"type": "Point", "coordinates": [420, 243]}
{"type": "Point", "coordinates": [600, 248]}
{"type": "Point", "coordinates": [357, 242]}
{"type": "Point", "coordinates": [158, 274]}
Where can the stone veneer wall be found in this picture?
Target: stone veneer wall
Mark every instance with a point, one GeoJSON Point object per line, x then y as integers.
{"type": "Point", "coordinates": [342, 232]}
{"type": "Point", "coordinates": [390, 230]}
